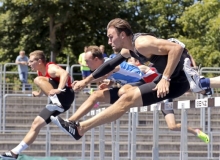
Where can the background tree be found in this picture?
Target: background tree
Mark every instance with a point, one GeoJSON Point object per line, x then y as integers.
{"type": "Point", "coordinates": [55, 25]}
{"type": "Point", "coordinates": [65, 27]}
{"type": "Point", "coordinates": [160, 17]}
{"type": "Point", "coordinates": [201, 34]}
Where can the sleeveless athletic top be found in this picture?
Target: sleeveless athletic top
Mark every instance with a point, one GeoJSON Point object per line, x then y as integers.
{"type": "Point", "coordinates": [158, 62]}
{"type": "Point", "coordinates": [57, 79]}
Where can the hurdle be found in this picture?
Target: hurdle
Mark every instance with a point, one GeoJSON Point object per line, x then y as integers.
{"type": "Point", "coordinates": [155, 108]}
{"type": "Point", "coordinates": [183, 105]}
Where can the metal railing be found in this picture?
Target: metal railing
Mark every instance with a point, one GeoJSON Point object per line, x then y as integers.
{"type": "Point", "coordinates": [132, 141]}
{"type": "Point", "coordinates": [133, 115]}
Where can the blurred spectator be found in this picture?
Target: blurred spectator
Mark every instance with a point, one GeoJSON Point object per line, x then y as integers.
{"type": "Point", "coordinates": [102, 49]}
{"type": "Point", "coordinates": [85, 70]}
{"type": "Point", "coordinates": [22, 61]}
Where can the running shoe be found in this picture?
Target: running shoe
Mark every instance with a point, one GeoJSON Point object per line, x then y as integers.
{"type": "Point", "coordinates": [204, 137]}
{"type": "Point", "coordinates": [8, 156]}
{"type": "Point", "coordinates": [192, 76]}
{"type": "Point", "coordinates": [54, 107]}
{"type": "Point", "coordinates": [66, 126]}
{"type": "Point", "coordinates": [209, 92]}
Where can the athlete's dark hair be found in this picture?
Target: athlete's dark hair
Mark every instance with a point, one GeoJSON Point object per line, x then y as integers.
{"type": "Point", "coordinates": [121, 26]}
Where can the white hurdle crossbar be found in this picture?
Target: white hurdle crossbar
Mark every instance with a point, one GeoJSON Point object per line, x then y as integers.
{"type": "Point", "coordinates": [183, 105]}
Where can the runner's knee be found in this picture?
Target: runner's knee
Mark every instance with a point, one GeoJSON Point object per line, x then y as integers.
{"type": "Point", "coordinates": [96, 95]}
{"type": "Point", "coordinates": [128, 99]}
{"type": "Point", "coordinates": [123, 89]}
{"type": "Point", "coordinates": [37, 125]}
{"type": "Point", "coordinates": [172, 127]}
{"type": "Point", "coordinates": [38, 80]}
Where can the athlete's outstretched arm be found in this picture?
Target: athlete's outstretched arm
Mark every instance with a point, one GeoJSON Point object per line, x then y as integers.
{"type": "Point", "coordinates": [104, 69]}
{"type": "Point", "coordinates": [116, 69]}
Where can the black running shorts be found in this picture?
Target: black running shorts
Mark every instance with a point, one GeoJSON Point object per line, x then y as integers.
{"type": "Point", "coordinates": [178, 86]}
{"type": "Point", "coordinates": [66, 99]}
{"type": "Point", "coordinates": [165, 112]}
{"type": "Point", "coordinates": [113, 94]}
{"type": "Point", "coordinates": [141, 82]}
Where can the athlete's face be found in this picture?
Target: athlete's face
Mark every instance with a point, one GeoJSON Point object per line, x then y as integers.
{"type": "Point", "coordinates": [115, 39]}
{"type": "Point", "coordinates": [33, 63]}
{"type": "Point", "coordinates": [93, 63]}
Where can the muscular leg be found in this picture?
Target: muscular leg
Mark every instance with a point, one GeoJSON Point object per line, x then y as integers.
{"type": "Point", "coordinates": [132, 98]}
{"type": "Point", "coordinates": [97, 96]}
{"type": "Point", "coordinates": [215, 82]}
{"type": "Point", "coordinates": [123, 89]}
{"type": "Point", "coordinates": [44, 84]}
{"type": "Point", "coordinates": [38, 122]}
{"type": "Point", "coordinates": [169, 118]}
{"type": "Point", "coordinates": [210, 82]}
{"type": "Point", "coordinates": [36, 126]}
{"type": "Point", "coordinates": [171, 123]}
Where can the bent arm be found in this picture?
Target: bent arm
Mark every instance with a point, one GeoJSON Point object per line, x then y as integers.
{"type": "Point", "coordinates": [108, 66]}
{"type": "Point", "coordinates": [57, 71]}
{"type": "Point", "coordinates": [116, 69]}
{"type": "Point", "coordinates": [173, 59]}
{"type": "Point", "coordinates": [148, 46]}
